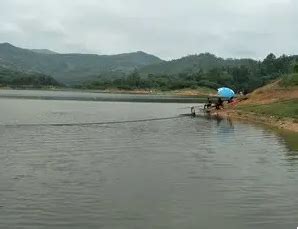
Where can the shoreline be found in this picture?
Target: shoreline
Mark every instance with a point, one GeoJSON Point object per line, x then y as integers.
{"type": "Point", "coordinates": [273, 105]}
{"type": "Point", "coordinates": [288, 124]}
{"type": "Point", "coordinates": [181, 92]}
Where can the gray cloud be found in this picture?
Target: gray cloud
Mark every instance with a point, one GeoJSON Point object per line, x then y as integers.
{"type": "Point", "coordinates": [167, 28]}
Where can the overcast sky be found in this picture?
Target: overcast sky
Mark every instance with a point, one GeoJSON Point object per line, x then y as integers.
{"type": "Point", "coordinates": [166, 28]}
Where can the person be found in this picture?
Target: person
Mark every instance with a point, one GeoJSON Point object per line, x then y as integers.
{"type": "Point", "coordinates": [219, 104]}
{"type": "Point", "coordinates": [231, 100]}
{"type": "Point", "coordinates": [234, 102]}
{"type": "Point", "coordinates": [208, 104]}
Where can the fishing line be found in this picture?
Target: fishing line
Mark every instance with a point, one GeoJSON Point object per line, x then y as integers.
{"type": "Point", "coordinates": [92, 123]}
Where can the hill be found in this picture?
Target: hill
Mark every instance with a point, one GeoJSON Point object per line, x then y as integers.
{"type": "Point", "coordinates": [18, 79]}
{"type": "Point", "coordinates": [72, 68]}
{"type": "Point", "coordinates": [211, 71]}
{"type": "Point", "coordinates": [194, 63]}
{"type": "Point", "coordinates": [281, 90]}
{"type": "Point", "coordinates": [141, 70]}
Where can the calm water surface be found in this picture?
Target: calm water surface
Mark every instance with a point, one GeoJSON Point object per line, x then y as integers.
{"type": "Point", "coordinates": [180, 172]}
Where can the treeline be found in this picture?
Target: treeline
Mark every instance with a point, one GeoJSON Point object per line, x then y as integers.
{"type": "Point", "coordinates": [245, 77]}
{"type": "Point", "coordinates": [18, 79]}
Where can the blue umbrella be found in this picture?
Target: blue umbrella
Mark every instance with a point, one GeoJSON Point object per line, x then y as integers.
{"type": "Point", "coordinates": [225, 92]}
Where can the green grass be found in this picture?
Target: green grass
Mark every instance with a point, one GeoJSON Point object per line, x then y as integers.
{"type": "Point", "coordinates": [289, 80]}
{"type": "Point", "coordinates": [206, 90]}
{"type": "Point", "coordinates": [284, 109]}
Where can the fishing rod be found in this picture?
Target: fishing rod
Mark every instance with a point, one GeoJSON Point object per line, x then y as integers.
{"type": "Point", "coordinates": [189, 107]}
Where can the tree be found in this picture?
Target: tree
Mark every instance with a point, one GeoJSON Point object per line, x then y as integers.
{"type": "Point", "coordinates": [269, 64]}
{"type": "Point", "coordinates": [296, 68]}
{"type": "Point", "coordinates": [134, 79]}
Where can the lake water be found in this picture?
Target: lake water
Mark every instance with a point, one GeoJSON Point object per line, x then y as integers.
{"type": "Point", "coordinates": [83, 164]}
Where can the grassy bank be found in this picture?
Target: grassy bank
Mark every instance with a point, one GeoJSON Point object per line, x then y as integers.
{"type": "Point", "coordinates": [282, 109]}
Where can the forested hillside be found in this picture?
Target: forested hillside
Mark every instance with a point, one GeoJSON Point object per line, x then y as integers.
{"type": "Point", "coordinates": [141, 70]}
{"type": "Point", "coordinates": [205, 70]}
{"type": "Point", "coordinates": [194, 63]}
{"type": "Point", "coordinates": [72, 68]}
{"type": "Point", "coordinates": [17, 79]}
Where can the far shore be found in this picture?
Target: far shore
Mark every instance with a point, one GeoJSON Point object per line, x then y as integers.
{"type": "Point", "coordinates": [202, 92]}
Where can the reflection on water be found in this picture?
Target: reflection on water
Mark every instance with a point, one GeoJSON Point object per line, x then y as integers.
{"type": "Point", "coordinates": [182, 172]}
{"type": "Point", "coordinates": [290, 139]}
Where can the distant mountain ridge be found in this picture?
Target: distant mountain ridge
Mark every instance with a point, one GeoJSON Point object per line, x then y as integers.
{"type": "Point", "coordinates": [43, 51]}
{"type": "Point", "coordinates": [201, 69]}
{"type": "Point", "coordinates": [71, 68]}
{"type": "Point", "coordinates": [194, 63]}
